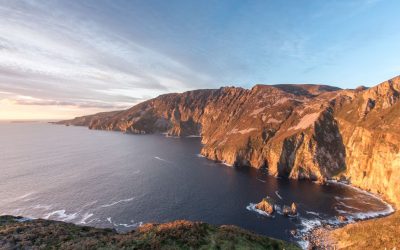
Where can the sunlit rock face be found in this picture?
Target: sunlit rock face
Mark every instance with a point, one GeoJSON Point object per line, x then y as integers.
{"type": "Point", "coordinates": [266, 205]}
{"type": "Point", "coordinates": [372, 138]}
{"type": "Point", "coordinates": [312, 132]}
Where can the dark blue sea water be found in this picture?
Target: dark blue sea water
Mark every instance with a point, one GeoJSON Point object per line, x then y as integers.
{"type": "Point", "coordinates": [110, 179]}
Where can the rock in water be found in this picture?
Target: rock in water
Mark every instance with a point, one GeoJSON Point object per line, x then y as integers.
{"type": "Point", "coordinates": [294, 208]}
{"type": "Point", "coordinates": [290, 211]}
{"type": "Point", "coordinates": [267, 205]}
{"type": "Point", "coordinates": [286, 210]}
{"type": "Point", "coordinates": [342, 218]}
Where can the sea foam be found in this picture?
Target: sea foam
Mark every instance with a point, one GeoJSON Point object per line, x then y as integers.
{"type": "Point", "coordinates": [277, 194]}
{"type": "Point", "coordinates": [62, 215]}
{"type": "Point", "coordinates": [117, 202]}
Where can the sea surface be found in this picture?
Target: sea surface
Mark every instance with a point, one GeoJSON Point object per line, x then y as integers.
{"type": "Point", "coordinates": [111, 179]}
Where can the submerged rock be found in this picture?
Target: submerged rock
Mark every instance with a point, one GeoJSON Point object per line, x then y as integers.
{"type": "Point", "coordinates": [267, 205]}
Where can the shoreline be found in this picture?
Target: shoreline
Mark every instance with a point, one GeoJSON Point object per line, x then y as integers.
{"type": "Point", "coordinates": [321, 237]}
{"type": "Point", "coordinates": [332, 237]}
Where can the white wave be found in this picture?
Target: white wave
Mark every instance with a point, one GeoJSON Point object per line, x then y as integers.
{"type": "Point", "coordinates": [138, 224]}
{"type": "Point", "coordinates": [62, 215]}
{"type": "Point", "coordinates": [367, 215]}
{"type": "Point", "coordinates": [261, 180]}
{"type": "Point", "coordinates": [85, 217]}
{"type": "Point", "coordinates": [117, 202]}
{"type": "Point", "coordinates": [109, 220]}
{"type": "Point", "coordinates": [304, 244]}
{"type": "Point", "coordinates": [89, 204]}
{"type": "Point", "coordinates": [313, 213]}
{"type": "Point", "coordinates": [200, 155]}
{"type": "Point", "coordinates": [21, 197]}
{"type": "Point", "coordinates": [193, 136]}
{"type": "Point", "coordinates": [24, 196]}
{"type": "Point", "coordinates": [370, 215]}
{"type": "Point", "coordinates": [277, 194]}
{"type": "Point", "coordinates": [252, 207]}
{"type": "Point", "coordinates": [43, 207]}
{"type": "Point", "coordinates": [341, 211]}
{"type": "Point", "coordinates": [226, 164]}
{"type": "Point", "coordinates": [278, 209]}
{"type": "Point", "coordinates": [309, 224]}
{"type": "Point", "coordinates": [93, 220]}
{"type": "Point", "coordinates": [347, 206]}
{"type": "Point", "coordinates": [172, 136]}
{"type": "Point", "coordinates": [161, 159]}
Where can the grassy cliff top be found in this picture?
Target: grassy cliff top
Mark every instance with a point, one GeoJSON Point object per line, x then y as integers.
{"type": "Point", "coordinates": [15, 233]}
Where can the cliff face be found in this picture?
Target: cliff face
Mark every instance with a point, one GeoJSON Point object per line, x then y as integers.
{"type": "Point", "coordinates": [297, 131]}
{"type": "Point", "coordinates": [370, 126]}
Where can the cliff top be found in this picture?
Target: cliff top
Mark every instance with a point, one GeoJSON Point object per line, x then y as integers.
{"type": "Point", "coordinates": [16, 233]}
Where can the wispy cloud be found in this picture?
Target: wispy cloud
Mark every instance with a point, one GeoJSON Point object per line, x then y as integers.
{"type": "Point", "coordinates": [94, 55]}
{"type": "Point", "coordinates": [48, 53]}
{"type": "Point", "coordinates": [28, 100]}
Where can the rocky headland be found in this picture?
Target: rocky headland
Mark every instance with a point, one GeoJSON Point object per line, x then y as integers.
{"type": "Point", "coordinates": [314, 132]}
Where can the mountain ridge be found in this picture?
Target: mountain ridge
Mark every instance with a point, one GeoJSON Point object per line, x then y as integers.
{"type": "Point", "coordinates": [304, 131]}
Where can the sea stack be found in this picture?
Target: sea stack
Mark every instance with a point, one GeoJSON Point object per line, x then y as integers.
{"type": "Point", "coordinates": [290, 211]}
{"type": "Point", "coordinates": [267, 205]}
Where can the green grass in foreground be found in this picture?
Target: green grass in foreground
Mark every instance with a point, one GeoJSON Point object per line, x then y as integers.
{"type": "Point", "coordinates": [46, 234]}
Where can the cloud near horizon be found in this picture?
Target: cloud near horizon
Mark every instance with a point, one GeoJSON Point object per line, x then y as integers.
{"type": "Point", "coordinates": [68, 58]}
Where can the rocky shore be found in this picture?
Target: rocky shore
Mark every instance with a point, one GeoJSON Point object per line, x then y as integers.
{"type": "Point", "coordinates": [377, 233]}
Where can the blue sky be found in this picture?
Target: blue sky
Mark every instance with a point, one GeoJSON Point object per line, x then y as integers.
{"type": "Point", "coordinates": [59, 59]}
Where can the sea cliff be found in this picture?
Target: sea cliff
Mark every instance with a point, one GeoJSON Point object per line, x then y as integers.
{"type": "Point", "coordinates": [314, 132]}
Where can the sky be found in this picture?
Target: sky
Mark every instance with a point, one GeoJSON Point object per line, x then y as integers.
{"type": "Point", "coordinates": [61, 59]}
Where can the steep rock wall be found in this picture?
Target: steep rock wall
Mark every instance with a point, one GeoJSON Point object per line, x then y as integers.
{"type": "Point", "coordinates": [297, 131]}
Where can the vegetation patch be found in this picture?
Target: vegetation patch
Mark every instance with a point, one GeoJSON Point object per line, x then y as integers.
{"type": "Point", "coordinates": [16, 233]}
